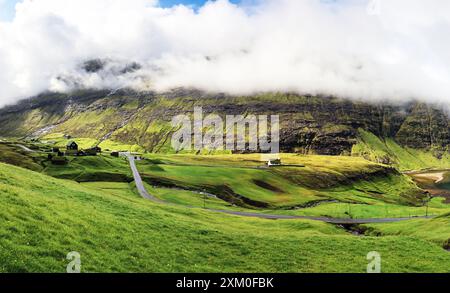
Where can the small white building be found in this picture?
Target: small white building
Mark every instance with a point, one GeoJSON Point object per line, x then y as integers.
{"type": "Point", "coordinates": [271, 159]}
{"type": "Point", "coordinates": [276, 162]}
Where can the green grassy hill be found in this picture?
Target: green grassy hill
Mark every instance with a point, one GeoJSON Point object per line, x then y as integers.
{"type": "Point", "coordinates": [14, 155]}
{"type": "Point", "coordinates": [243, 180]}
{"type": "Point", "coordinates": [436, 230]}
{"type": "Point", "coordinates": [340, 187]}
{"type": "Point", "coordinates": [95, 168]}
{"type": "Point", "coordinates": [80, 169]}
{"type": "Point", "coordinates": [113, 229]}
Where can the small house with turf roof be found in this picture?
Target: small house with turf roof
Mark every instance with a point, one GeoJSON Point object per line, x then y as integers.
{"type": "Point", "coordinates": [93, 151]}
{"type": "Point", "coordinates": [72, 148]}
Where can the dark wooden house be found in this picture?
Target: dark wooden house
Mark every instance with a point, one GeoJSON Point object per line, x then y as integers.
{"type": "Point", "coordinates": [93, 151]}
{"type": "Point", "coordinates": [73, 146]}
{"type": "Point", "coordinates": [72, 149]}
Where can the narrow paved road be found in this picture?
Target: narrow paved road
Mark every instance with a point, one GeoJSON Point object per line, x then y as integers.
{"type": "Point", "coordinates": [144, 193]}
{"type": "Point", "coordinates": [138, 181]}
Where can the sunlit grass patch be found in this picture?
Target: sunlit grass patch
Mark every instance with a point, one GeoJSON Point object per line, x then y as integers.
{"type": "Point", "coordinates": [44, 218]}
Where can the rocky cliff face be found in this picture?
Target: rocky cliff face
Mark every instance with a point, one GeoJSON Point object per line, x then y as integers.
{"type": "Point", "coordinates": [320, 125]}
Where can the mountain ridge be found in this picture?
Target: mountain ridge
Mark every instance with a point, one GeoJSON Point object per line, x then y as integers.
{"type": "Point", "coordinates": [308, 124]}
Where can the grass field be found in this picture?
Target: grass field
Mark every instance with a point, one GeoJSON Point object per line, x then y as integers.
{"type": "Point", "coordinates": [91, 206]}
{"type": "Point", "coordinates": [95, 168]}
{"type": "Point", "coordinates": [58, 140]}
{"type": "Point", "coordinates": [436, 230]}
{"type": "Point", "coordinates": [317, 185]}
{"type": "Point", "coordinates": [375, 209]}
{"type": "Point", "coordinates": [191, 199]}
{"type": "Point", "coordinates": [113, 229]}
{"type": "Point", "coordinates": [306, 180]}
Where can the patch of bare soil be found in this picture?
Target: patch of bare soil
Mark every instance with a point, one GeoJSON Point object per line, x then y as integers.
{"type": "Point", "coordinates": [447, 245]}
{"type": "Point", "coordinates": [429, 182]}
{"type": "Point", "coordinates": [436, 177]}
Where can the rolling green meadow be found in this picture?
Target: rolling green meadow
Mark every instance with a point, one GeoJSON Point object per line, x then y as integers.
{"type": "Point", "coordinates": [92, 206]}
{"type": "Point", "coordinates": [115, 230]}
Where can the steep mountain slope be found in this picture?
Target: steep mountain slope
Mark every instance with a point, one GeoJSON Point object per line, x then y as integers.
{"type": "Point", "coordinates": [319, 125]}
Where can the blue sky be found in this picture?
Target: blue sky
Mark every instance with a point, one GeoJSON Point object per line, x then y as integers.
{"type": "Point", "coordinates": [7, 6]}
{"type": "Point", "coordinates": [7, 9]}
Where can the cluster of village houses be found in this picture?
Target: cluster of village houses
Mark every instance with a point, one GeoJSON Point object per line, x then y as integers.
{"type": "Point", "coordinates": [58, 157]}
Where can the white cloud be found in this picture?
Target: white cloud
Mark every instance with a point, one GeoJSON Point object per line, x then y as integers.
{"type": "Point", "coordinates": [308, 46]}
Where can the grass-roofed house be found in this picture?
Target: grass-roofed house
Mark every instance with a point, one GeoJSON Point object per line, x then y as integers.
{"type": "Point", "coordinates": [93, 151]}
{"type": "Point", "coordinates": [72, 148]}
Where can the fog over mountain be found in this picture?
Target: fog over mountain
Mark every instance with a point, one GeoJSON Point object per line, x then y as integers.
{"type": "Point", "coordinates": [382, 49]}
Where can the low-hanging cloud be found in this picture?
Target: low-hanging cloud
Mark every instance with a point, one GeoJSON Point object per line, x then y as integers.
{"type": "Point", "coordinates": [370, 49]}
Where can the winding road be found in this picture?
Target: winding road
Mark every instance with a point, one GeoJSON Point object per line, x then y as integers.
{"type": "Point", "coordinates": [145, 194]}
{"type": "Point", "coordinates": [138, 181]}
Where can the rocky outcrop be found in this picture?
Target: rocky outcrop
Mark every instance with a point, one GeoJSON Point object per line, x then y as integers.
{"type": "Point", "coordinates": [425, 127]}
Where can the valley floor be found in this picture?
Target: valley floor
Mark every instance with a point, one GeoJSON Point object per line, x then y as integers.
{"type": "Point", "coordinates": [92, 206]}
